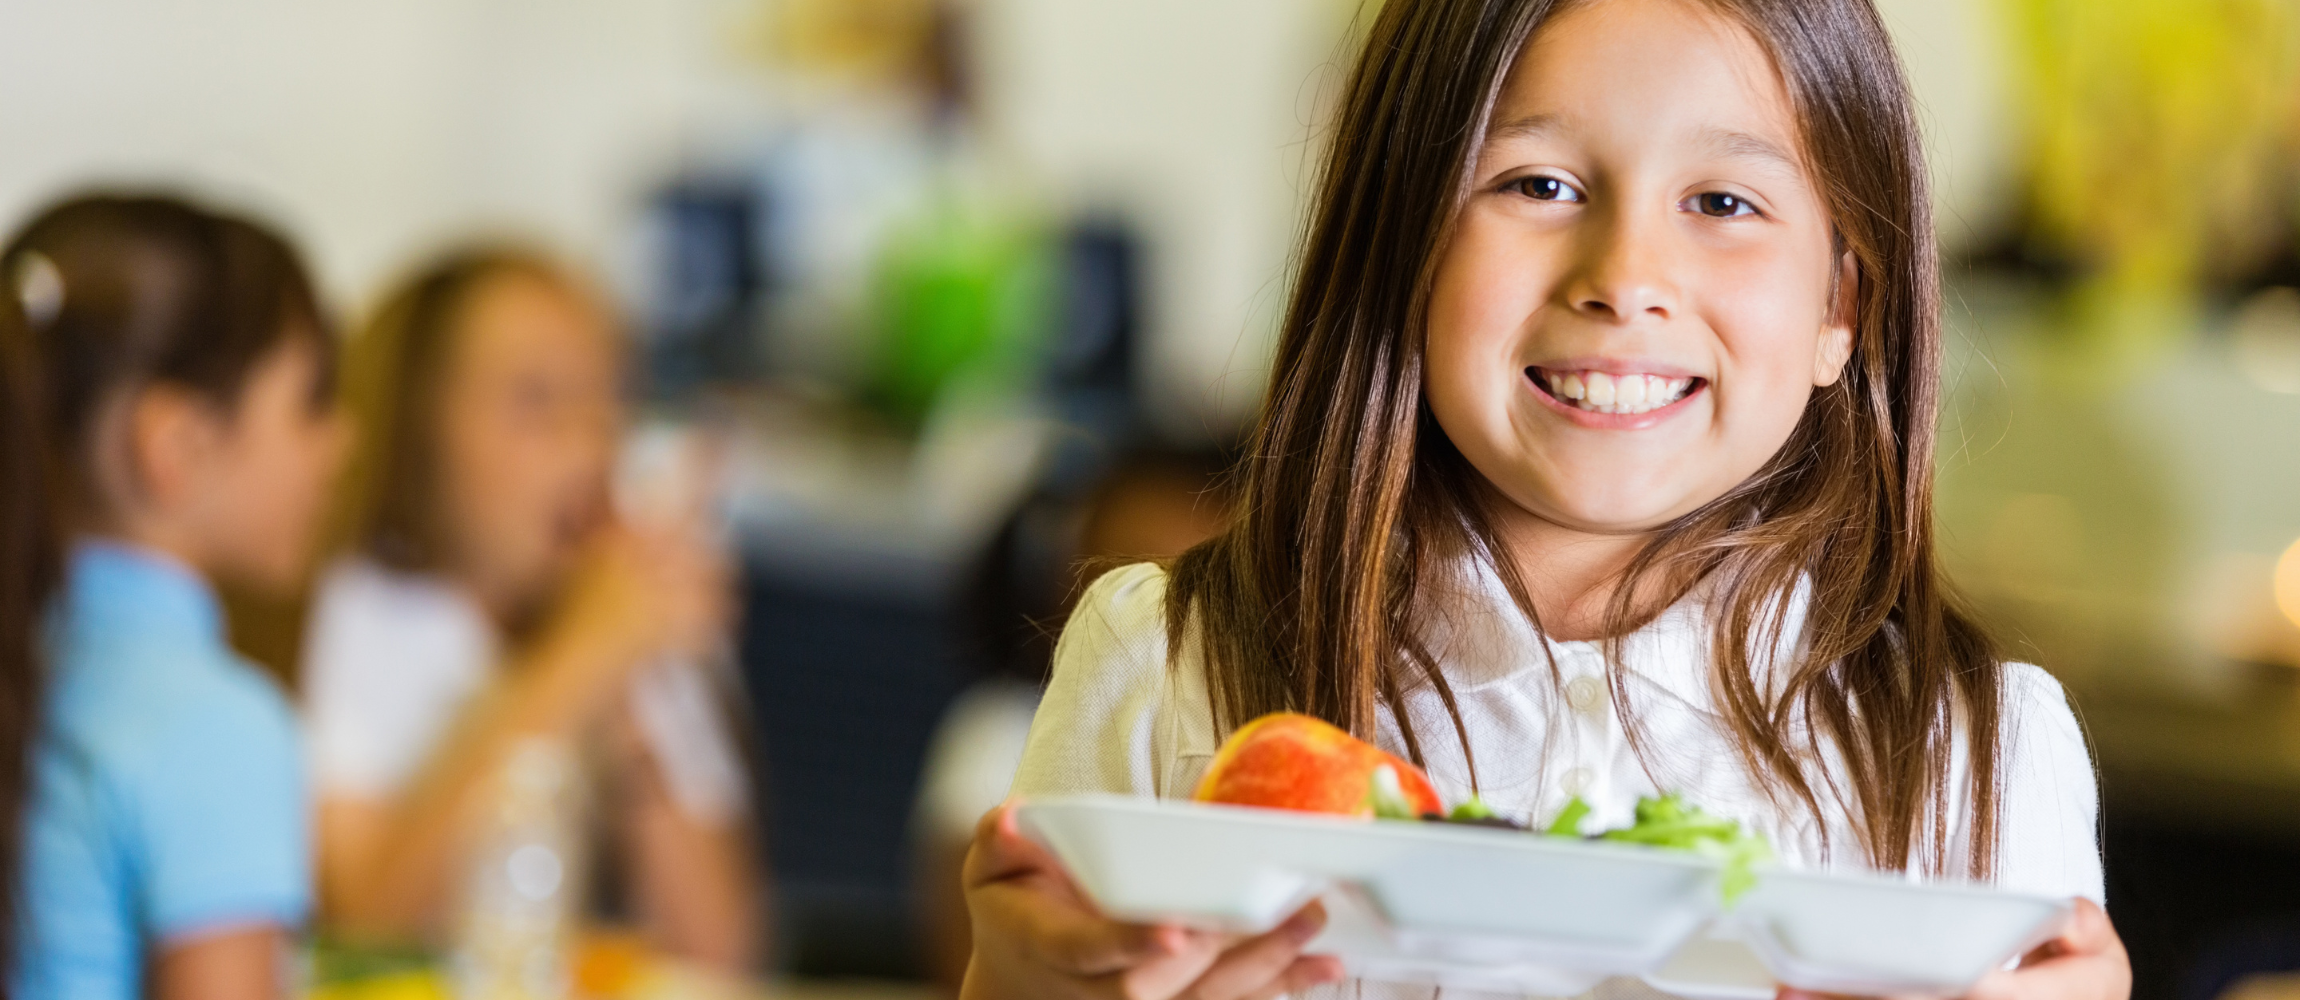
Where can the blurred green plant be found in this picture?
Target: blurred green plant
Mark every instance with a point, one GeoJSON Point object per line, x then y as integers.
{"type": "Point", "coordinates": [2161, 140]}
{"type": "Point", "coordinates": [962, 294]}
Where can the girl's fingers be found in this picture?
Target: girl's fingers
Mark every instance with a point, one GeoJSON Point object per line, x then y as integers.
{"type": "Point", "coordinates": [2086, 962]}
{"type": "Point", "coordinates": [1082, 944]}
{"type": "Point", "coordinates": [1009, 873]}
{"type": "Point", "coordinates": [1168, 975]}
{"type": "Point", "coordinates": [1251, 966]}
{"type": "Point", "coordinates": [1307, 971]}
{"type": "Point", "coordinates": [2089, 931]}
{"type": "Point", "coordinates": [1001, 852]}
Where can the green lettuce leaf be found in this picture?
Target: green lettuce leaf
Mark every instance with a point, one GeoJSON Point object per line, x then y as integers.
{"type": "Point", "coordinates": [1669, 823]}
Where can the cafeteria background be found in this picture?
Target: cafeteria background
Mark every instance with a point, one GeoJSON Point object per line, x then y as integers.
{"type": "Point", "coordinates": [951, 294]}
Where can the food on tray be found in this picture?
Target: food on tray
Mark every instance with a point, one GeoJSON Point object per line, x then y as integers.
{"type": "Point", "coordinates": [1290, 761]}
{"type": "Point", "coordinates": [1286, 760]}
{"type": "Point", "coordinates": [1668, 822]}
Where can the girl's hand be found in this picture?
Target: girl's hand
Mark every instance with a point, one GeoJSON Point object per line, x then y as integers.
{"type": "Point", "coordinates": [639, 595]}
{"type": "Point", "coordinates": [2086, 962]}
{"type": "Point", "coordinates": [1036, 937]}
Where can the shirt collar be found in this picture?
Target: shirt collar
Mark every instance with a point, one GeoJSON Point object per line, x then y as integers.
{"type": "Point", "coordinates": [1481, 636]}
{"type": "Point", "coordinates": [116, 589]}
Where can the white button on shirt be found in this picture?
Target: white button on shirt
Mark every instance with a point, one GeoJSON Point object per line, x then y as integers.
{"type": "Point", "coordinates": [1120, 716]}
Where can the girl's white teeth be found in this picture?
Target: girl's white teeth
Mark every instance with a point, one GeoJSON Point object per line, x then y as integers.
{"type": "Point", "coordinates": [1606, 393]}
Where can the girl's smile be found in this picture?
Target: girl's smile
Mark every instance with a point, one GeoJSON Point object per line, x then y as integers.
{"type": "Point", "coordinates": [1614, 395]}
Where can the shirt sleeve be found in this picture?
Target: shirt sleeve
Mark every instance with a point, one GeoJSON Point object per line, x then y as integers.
{"type": "Point", "coordinates": [2048, 823]}
{"type": "Point", "coordinates": [1118, 716]}
{"type": "Point", "coordinates": [971, 762]}
{"type": "Point", "coordinates": [677, 708]}
{"type": "Point", "coordinates": [388, 664]}
{"type": "Point", "coordinates": [219, 806]}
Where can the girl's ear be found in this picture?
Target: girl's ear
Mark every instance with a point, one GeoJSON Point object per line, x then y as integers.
{"type": "Point", "coordinates": [172, 437]}
{"type": "Point", "coordinates": [1837, 334]}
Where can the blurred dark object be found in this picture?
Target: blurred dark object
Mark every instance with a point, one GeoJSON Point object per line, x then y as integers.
{"type": "Point", "coordinates": [707, 282]}
{"type": "Point", "coordinates": [2281, 269]}
{"type": "Point", "coordinates": [846, 686]}
{"type": "Point", "coordinates": [1091, 364]}
{"type": "Point", "coordinates": [2271, 947]}
{"type": "Point", "coordinates": [2200, 906]}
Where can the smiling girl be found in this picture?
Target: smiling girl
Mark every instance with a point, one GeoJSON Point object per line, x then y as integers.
{"type": "Point", "coordinates": [1596, 461]}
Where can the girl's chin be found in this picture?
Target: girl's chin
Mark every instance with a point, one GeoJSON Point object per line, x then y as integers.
{"type": "Point", "coordinates": [1613, 512]}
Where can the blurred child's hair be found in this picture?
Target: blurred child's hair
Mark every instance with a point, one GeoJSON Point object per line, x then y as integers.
{"type": "Point", "coordinates": [393, 372]}
{"type": "Point", "coordinates": [150, 290]}
{"type": "Point", "coordinates": [106, 294]}
{"type": "Point", "coordinates": [1353, 503]}
{"type": "Point", "coordinates": [1151, 502]}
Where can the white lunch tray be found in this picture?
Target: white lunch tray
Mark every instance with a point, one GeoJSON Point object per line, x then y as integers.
{"type": "Point", "coordinates": [1509, 911]}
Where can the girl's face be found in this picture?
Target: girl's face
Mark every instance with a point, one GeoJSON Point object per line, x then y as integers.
{"type": "Point", "coordinates": [261, 489]}
{"type": "Point", "coordinates": [1636, 301]}
{"type": "Point", "coordinates": [529, 415]}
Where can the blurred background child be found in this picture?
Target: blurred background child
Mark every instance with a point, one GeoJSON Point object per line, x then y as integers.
{"type": "Point", "coordinates": [184, 372]}
{"type": "Point", "coordinates": [489, 596]}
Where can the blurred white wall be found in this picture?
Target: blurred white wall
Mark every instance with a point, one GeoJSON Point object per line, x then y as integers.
{"type": "Point", "coordinates": [370, 129]}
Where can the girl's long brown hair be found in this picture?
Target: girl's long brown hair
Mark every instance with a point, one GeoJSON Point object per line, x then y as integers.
{"type": "Point", "coordinates": [29, 568]}
{"type": "Point", "coordinates": [1353, 504]}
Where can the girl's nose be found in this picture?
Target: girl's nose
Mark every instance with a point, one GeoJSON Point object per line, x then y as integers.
{"type": "Point", "coordinates": [1624, 276]}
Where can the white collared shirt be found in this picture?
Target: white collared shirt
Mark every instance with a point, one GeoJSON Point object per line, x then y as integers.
{"type": "Point", "coordinates": [1117, 717]}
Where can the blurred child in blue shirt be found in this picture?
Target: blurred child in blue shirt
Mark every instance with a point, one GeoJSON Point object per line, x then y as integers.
{"type": "Point", "coordinates": [183, 362]}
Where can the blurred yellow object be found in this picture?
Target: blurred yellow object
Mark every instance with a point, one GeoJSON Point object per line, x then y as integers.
{"type": "Point", "coordinates": [413, 984]}
{"type": "Point", "coordinates": [608, 965]}
{"type": "Point", "coordinates": [2288, 583]}
{"type": "Point", "coordinates": [611, 965]}
{"type": "Point", "coordinates": [2160, 134]}
{"type": "Point", "coordinates": [858, 39]}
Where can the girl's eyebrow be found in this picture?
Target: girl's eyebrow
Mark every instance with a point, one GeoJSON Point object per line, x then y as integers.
{"type": "Point", "coordinates": [1722, 142]}
{"type": "Point", "coordinates": [1734, 144]}
{"type": "Point", "coordinates": [1524, 127]}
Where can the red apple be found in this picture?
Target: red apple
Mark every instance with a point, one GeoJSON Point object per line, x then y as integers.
{"type": "Point", "coordinates": [1287, 760]}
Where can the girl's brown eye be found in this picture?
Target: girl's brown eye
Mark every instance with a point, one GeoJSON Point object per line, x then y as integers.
{"type": "Point", "coordinates": [1541, 188]}
{"type": "Point", "coordinates": [1718, 204]}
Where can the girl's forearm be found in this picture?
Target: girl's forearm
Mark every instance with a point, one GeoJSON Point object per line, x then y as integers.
{"type": "Point", "coordinates": [694, 881]}
{"type": "Point", "coordinates": [246, 963]}
{"type": "Point", "coordinates": [386, 871]}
